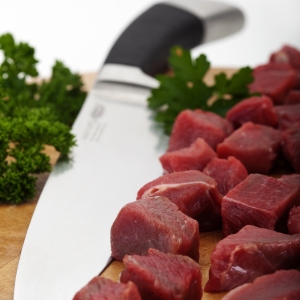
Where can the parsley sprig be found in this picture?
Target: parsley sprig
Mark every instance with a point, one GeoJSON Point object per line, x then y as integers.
{"type": "Point", "coordinates": [185, 88]}
{"type": "Point", "coordinates": [32, 115]}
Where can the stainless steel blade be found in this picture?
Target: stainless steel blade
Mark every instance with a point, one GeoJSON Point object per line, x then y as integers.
{"type": "Point", "coordinates": [68, 241]}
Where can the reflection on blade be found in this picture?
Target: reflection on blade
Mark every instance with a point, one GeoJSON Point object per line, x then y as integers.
{"type": "Point", "coordinates": [68, 241]}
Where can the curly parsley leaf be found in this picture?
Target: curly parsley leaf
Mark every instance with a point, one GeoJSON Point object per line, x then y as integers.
{"type": "Point", "coordinates": [186, 88]}
{"type": "Point", "coordinates": [32, 115]}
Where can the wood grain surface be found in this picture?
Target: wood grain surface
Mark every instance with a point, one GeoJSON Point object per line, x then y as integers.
{"type": "Point", "coordinates": [15, 219]}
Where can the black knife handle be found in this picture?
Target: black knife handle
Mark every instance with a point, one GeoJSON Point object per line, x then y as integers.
{"type": "Point", "coordinates": [147, 40]}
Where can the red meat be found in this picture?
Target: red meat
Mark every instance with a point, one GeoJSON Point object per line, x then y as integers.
{"type": "Point", "coordinates": [293, 97]}
{"type": "Point", "coordinates": [259, 200]}
{"type": "Point", "coordinates": [154, 223]}
{"type": "Point", "coordinates": [283, 284]}
{"type": "Point", "coordinates": [163, 276]}
{"type": "Point", "coordinates": [294, 220]}
{"type": "Point", "coordinates": [100, 288]}
{"type": "Point", "coordinates": [287, 54]}
{"type": "Point", "coordinates": [194, 157]}
{"type": "Point", "coordinates": [256, 146]}
{"type": "Point", "coordinates": [259, 110]}
{"type": "Point", "coordinates": [250, 253]}
{"type": "Point", "coordinates": [287, 115]}
{"type": "Point", "coordinates": [274, 80]}
{"type": "Point", "coordinates": [226, 172]}
{"type": "Point", "coordinates": [193, 192]}
{"type": "Point", "coordinates": [291, 146]}
{"type": "Point", "coordinates": [190, 125]}
{"type": "Point", "coordinates": [293, 179]}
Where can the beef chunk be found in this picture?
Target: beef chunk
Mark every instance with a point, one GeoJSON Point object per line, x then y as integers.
{"type": "Point", "coordinates": [190, 125]}
{"type": "Point", "coordinates": [259, 200]}
{"type": "Point", "coordinates": [163, 276]}
{"type": "Point", "coordinates": [288, 55]}
{"type": "Point", "coordinates": [293, 97]}
{"type": "Point", "coordinates": [154, 223]}
{"type": "Point", "coordinates": [291, 146]}
{"type": "Point", "coordinates": [256, 146]}
{"type": "Point", "coordinates": [283, 284]}
{"type": "Point", "coordinates": [274, 80]}
{"type": "Point", "coordinates": [293, 179]}
{"type": "Point", "coordinates": [259, 110]}
{"type": "Point", "coordinates": [100, 288]}
{"type": "Point", "coordinates": [287, 115]}
{"type": "Point", "coordinates": [194, 157]}
{"type": "Point", "coordinates": [250, 253]}
{"type": "Point", "coordinates": [294, 220]}
{"type": "Point", "coordinates": [226, 172]}
{"type": "Point", "coordinates": [194, 193]}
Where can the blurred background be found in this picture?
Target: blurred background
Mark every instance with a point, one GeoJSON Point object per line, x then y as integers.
{"type": "Point", "coordinates": [81, 32]}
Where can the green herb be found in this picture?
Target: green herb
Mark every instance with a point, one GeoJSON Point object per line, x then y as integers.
{"type": "Point", "coordinates": [186, 89]}
{"type": "Point", "coordinates": [32, 115]}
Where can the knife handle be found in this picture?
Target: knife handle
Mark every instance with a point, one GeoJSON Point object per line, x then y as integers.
{"type": "Point", "coordinates": [146, 42]}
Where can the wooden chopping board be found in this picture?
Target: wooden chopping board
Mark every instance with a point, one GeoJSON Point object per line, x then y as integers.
{"type": "Point", "coordinates": [15, 219]}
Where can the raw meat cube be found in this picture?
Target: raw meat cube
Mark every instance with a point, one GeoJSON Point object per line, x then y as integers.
{"type": "Point", "coordinates": [250, 253]}
{"type": "Point", "coordinates": [163, 276]}
{"type": "Point", "coordinates": [226, 172]}
{"type": "Point", "coordinates": [291, 146]}
{"type": "Point", "coordinates": [293, 179]}
{"type": "Point", "coordinates": [193, 192]}
{"type": "Point", "coordinates": [259, 110]}
{"type": "Point", "coordinates": [274, 80]}
{"type": "Point", "coordinates": [287, 54]}
{"type": "Point", "coordinates": [190, 125]}
{"type": "Point", "coordinates": [100, 288]}
{"type": "Point", "coordinates": [287, 115]}
{"type": "Point", "coordinates": [154, 223]}
{"type": "Point", "coordinates": [256, 146]}
{"type": "Point", "coordinates": [293, 97]}
{"type": "Point", "coordinates": [283, 284]}
{"type": "Point", "coordinates": [259, 200]}
{"type": "Point", "coordinates": [294, 220]}
{"type": "Point", "coordinates": [194, 157]}
{"type": "Point", "coordinates": [290, 55]}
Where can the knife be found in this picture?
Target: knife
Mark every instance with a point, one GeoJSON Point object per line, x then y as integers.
{"type": "Point", "coordinates": [118, 145]}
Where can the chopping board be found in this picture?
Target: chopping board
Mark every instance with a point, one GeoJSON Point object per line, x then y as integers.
{"type": "Point", "coordinates": [15, 219]}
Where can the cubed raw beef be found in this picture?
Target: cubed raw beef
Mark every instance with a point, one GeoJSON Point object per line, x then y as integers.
{"type": "Point", "coordinates": [194, 157]}
{"type": "Point", "coordinates": [287, 115]}
{"type": "Point", "coordinates": [250, 253]}
{"type": "Point", "coordinates": [190, 125]}
{"type": "Point", "coordinates": [256, 146]}
{"type": "Point", "coordinates": [259, 200]}
{"type": "Point", "coordinates": [163, 276]}
{"type": "Point", "coordinates": [259, 110]}
{"type": "Point", "coordinates": [100, 288]}
{"type": "Point", "coordinates": [194, 193]}
{"type": "Point", "coordinates": [283, 284]}
{"type": "Point", "coordinates": [294, 220]}
{"type": "Point", "coordinates": [154, 223]}
{"type": "Point", "coordinates": [293, 179]}
{"type": "Point", "coordinates": [293, 97]}
{"type": "Point", "coordinates": [274, 80]}
{"type": "Point", "coordinates": [287, 54]}
{"type": "Point", "coordinates": [226, 172]}
{"type": "Point", "coordinates": [291, 146]}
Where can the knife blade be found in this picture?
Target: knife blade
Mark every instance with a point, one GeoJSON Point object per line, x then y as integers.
{"type": "Point", "coordinates": [118, 146]}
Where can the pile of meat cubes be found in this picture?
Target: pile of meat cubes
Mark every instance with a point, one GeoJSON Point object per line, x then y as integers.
{"type": "Point", "coordinates": [219, 175]}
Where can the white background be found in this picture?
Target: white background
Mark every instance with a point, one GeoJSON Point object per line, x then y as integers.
{"type": "Point", "coordinates": [81, 32]}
